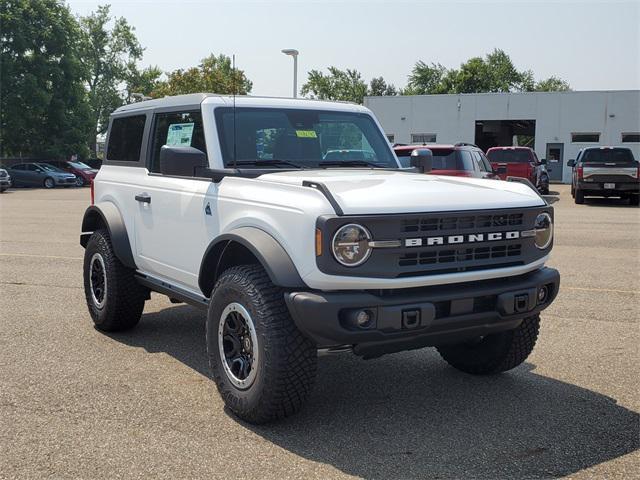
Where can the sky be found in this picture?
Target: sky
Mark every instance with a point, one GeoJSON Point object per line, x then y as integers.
{"type": "Point", "coordinates": [592, 45]}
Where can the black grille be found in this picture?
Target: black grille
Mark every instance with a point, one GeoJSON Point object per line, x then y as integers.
{"type": "Point", "coordinates": [439, 243]}
{"type": "Point", "coordinates": [461, 223]}
{"type": "Point", "coordinates": [460, 255]}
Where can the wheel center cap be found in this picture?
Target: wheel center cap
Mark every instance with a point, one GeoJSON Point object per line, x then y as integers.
{"type": "Point", "coordinates": [247, 344]}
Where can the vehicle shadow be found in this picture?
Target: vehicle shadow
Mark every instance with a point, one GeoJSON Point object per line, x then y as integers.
{"type": "Point", "coordinates": [409, 415]}
{"type": "Point", "coordinates": [607, 202]}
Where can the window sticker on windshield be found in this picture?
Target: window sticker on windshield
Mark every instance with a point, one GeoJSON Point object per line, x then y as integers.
{"type": "Point", "coordinates": [306, 134]}
{"type": "Point", "coordinates": [180, 134]}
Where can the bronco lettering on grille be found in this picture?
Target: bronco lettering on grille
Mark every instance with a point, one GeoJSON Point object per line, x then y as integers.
{"type": "Point", "coordinates": [458, 239]}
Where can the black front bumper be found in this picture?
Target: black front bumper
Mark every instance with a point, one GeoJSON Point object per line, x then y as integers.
{"type": "Point", "coordinates": [417, 317]}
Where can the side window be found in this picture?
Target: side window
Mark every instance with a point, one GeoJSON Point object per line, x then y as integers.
{"type": "Point", "coordinates": [19, 167]}
{"type": "Point", "coordinates": [485, 162]}
{"type": "Point", "coordinates": [176, 129]}
{"type": "Point", "coordinates": [33, 168]}
{"type": "Point", "coordinates": [125, 138]}
{"type": "Point", "coordinates": [467, 160]}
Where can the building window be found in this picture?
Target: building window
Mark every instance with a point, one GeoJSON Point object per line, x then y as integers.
{"type": "Point", "coordinates": [423, 138]}
{"type": "Point", "coordinates": [631, 137]}
{"type": "Point", "coordinates": [391, 138]}
{"type": "Point", "coordinates": [585, 137]}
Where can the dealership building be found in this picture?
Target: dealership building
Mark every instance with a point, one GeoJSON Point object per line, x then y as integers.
{"type": "Point", "coordinates": [556, 124]}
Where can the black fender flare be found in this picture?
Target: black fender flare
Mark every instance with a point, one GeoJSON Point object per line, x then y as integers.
{"type": "Point", "coordinates": [107, 214]}
{"type": "Point", "coordinates": [266, 249]}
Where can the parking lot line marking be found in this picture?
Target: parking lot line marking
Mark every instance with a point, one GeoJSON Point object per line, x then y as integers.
{"type": "Point", "coordinates": [585, 289]}
{"type": "Point", "coordinates": [38, 256]}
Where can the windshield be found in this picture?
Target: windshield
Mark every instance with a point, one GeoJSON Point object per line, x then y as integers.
{"type": "Point", "coordinates": [510, 156]}
{"type": "Point", "coordinates": [443, 159]}
{"type": "Point", "coordinates": [80, 165]}
{"type": "Point", "coordinates": [608, 155]}
{"type": "Point", "coordinates": [282, 138]}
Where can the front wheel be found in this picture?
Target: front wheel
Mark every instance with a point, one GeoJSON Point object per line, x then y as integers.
{"type": "Point", "coordinates": [263, 366]}
{"type": "Point", "coordinates": [114, 297]}
{"type": "Point", "coordinates": [494, 353]}
{"type": "Point", "coordinates": [48, 183]}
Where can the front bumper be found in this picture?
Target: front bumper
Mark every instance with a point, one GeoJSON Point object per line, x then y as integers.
{"type": "Point", "coordinates": [418, 317]}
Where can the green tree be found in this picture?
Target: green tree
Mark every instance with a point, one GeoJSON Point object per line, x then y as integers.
{"type": "Point", "coordinates": [552, 84]}
{"type": "Point", "coordinates": [425, 79]}
{"type": "Point", "coordinates": [379, 87]}
{"type": "Point", "coordinates": [43, 110]}
{"type": "Point", "coordinates": [145, 82]}
{"type": "Point", "coordinates": [109, 52]}
{"type": "Point", "coordinates": [343, 85]}
{"type": "Point", "coordinates": [493, 73]}
{"type": "Point", "coordinates": [215, 74]}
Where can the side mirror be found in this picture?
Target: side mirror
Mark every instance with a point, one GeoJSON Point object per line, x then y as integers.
{"type": "Point", "coordinates": [422, 159]}
{"type": "Point", "coordinates": [181, 161]}
{"type": "Point", "coordinates": [571, 163]}
{"type": "Point", "coordinates": [543, 161]}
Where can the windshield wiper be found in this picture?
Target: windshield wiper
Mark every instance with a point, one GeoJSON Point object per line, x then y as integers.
{"type": "Point", "coordinates": [266, 162]}
{"type": "Point", "coordinates": [349, 163]}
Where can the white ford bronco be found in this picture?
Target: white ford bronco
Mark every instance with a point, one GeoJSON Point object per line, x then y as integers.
{"type": "Point", "coordinates": [292, 224]}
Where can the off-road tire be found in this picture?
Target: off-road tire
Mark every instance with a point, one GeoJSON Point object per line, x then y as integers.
{"type": "Point", "coordinates": [495, 353]}
{"type": "Point", "coordinates": [579, 196]}
{"type": "Point", "coordinates": [286, 366]}
{"type": "Point", "coordinates": [124, 298]}
{"type": "Point", "coordinates": [49, 183]}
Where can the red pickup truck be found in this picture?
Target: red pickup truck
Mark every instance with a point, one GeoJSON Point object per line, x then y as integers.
{"type": "Point", "coordinates": [520, 162]}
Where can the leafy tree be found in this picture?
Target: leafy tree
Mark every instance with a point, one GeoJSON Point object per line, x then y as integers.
{"type": "Point", "coordinates": [378, 87]}
{"type": "Point", "coordinates": [43, 111]}
{"type": "Point", "coordinates": [214, 74]}
{"type": "Point", "coordinates": [109, 52]}
{"type": "Point", "coordinates": [344, 85]}
{"type": "Point", "coordinates": [493, 73]}
{"type": "Point", "coordinates": [552, 84]}
{"type": "Point", "coordinates": [145, 82]}
{"type": "Point", "coordinates": [425, 79]}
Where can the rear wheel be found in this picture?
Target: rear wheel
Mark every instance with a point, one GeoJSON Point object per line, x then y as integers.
{"type": "Point", "coordinates": [48, 183]}
{"type": "Point", "coordinates": [634, 200]}
{"type": "Point", "coordinates": [263, 366]}
{"type": "Point", "coordinates": [114, 297]}
{"type": "Point", "coordinates": [579, 196]}
{"type": "Point", "coordinates": [494, 353]}
{"type": "Point", "coordinates": [79, 182]}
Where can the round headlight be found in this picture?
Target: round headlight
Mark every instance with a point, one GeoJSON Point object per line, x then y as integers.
{"type": "Point", "coordinates": [350, 245]}
{"type": "Point", "coordinates": [544, 230]}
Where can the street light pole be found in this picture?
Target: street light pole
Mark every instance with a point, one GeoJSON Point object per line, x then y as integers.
{"type": "Point", "coordinates": [293, 53]}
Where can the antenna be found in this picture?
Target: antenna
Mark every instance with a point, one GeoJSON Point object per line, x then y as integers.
{"type": "Point", "coordinates": [233, 86]}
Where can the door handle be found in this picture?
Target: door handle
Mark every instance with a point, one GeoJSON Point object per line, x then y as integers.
{"type": "Point", "coordinates": [143, 198]}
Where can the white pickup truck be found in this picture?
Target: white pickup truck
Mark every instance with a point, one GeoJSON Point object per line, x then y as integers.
{"type": "Point", "coordinates": [292, 224]}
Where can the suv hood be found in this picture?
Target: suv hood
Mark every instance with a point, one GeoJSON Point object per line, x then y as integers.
{"type": "Point", "coordinates": [362, 192]}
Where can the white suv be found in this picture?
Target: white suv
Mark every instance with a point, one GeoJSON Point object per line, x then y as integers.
{"type": "Point", "coordinates": [293, 225]}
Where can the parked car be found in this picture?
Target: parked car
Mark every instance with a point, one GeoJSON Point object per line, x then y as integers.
{"type": "Point", "coordinates": [40, 175]}
{"type": "Point", "coordinates": [605, 172]}
{"type": "Point", "coordinates": [520, 162]}
{"type": "Point", "coordinates": [94, 163]}
{"type": "Point", "coordinates": [459, 160]}
{"type": "Point", "coordinates": [5, 180]}
{"type": "Point", "coordinates": [83, 172]}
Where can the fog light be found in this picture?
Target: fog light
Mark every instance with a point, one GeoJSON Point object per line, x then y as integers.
{"type": "Point", "coordinates": [363, 319]}
{"type": "Point", "coordinates": [543, 293]}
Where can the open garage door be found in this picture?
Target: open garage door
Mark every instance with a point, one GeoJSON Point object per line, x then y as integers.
{"type": "Point", "coordinates": [505, 133]}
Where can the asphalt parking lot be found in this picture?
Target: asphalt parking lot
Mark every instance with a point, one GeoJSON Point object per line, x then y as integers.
{"type": "Point", "coordinates": [75, 402]}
